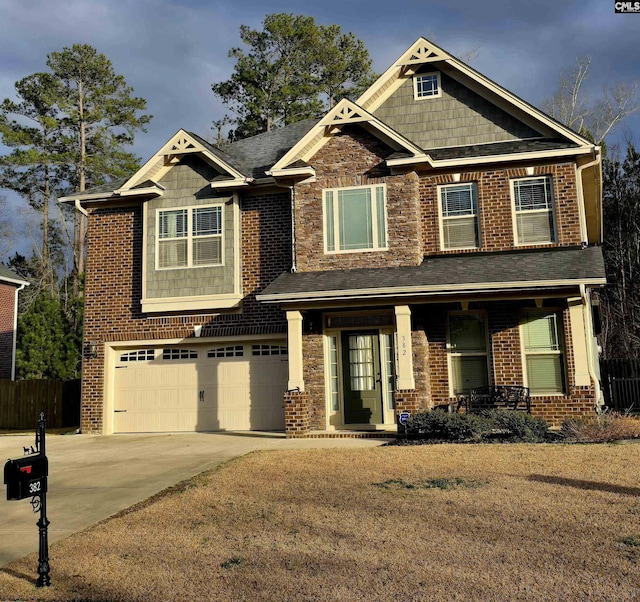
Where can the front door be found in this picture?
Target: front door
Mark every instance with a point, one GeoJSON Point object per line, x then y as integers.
{"type": "Point", "coordinates": [362, 382]}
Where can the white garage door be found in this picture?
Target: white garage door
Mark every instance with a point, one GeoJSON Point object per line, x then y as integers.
{"type": "Point", "coordinates": [235, 386]}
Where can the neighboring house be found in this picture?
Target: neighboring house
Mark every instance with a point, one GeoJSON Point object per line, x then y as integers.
{"type": "Point", "coordinates": [438, 234]}
{"type": "Point", "coordinates": [10, 285]}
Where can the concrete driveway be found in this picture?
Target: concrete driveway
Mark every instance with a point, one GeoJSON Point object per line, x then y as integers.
{"type": "Point", "coordinates": [92, 477]}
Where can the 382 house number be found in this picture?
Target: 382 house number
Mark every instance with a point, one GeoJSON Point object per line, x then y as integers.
{"type": "Point", "coordinates": [35, 487]}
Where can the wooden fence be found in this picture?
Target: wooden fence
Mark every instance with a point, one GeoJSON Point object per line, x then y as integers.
{"type": "Point", "coordinates": [22, 401]}
{"type": "Point", "coordinates": [621, 383]}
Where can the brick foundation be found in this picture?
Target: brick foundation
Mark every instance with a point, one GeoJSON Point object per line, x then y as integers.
{"type": "Point", "coordinates": [296, 414]}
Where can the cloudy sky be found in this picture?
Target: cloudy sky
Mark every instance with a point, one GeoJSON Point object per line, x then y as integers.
{"type": "Point", "coordinates": [171, 51]}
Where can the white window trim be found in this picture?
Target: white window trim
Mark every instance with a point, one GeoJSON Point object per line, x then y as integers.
{"type": "Point", "coordinates": [514, 213]}
{"type": "Point", "coordinates": [451, 354]}
{"type": "Point", "coordinates": [441, 217]}
{"type": "Point", "coordinates": [415, 86]}
{"type": "Point", "coordinates": [374, 220]}
{"type": "Point", "coordinates": [190, 238]}
{"type": "Point", "coordinates": [562, 352]}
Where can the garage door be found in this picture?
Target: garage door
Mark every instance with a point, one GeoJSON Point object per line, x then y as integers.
{"type": "Point", "coordinates": [235, 386]}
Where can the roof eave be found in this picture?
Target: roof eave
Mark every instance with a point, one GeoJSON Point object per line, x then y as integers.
{"type": "Point", "coordinates": [524, 156]}
{"type": "Point", "coordinates": [430, 290]}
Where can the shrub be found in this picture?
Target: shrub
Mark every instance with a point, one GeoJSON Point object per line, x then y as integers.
{"type": "Point", "coordinates": [608, 426]}
{"type": "Point", "coordinates": [437, 424]}
{"type": "Point", "coordinates": [519, 426]}
{"type": "Point", "coordinates": [505, 424]}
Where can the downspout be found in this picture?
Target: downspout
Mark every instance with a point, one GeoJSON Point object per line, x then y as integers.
{"type": "Point", "coordinates": [294, 264]}
{"type": "Point", "coordinates": [81, 209]}
{"type": "Point", "coordinates": [15, 332]}
{"type": "Point", "coordinates": [591, 352]}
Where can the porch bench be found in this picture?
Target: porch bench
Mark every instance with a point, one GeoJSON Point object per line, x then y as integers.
{"type": "Point", "coordinates": [509, 397]}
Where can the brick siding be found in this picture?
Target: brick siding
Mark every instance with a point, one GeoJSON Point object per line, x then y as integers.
{"type": "Point", "coordinates": [495, 207]}
{"type": "Point", "coordinates": [114, 287]}
{"type": "Point", "coordinates": [7, 308]}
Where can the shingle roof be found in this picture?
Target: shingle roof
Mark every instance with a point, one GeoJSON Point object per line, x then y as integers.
{"type": "Point", "coordinates": [469, 271]}
{"type": "Point", "coordinates": [7, 274]}
{"type": "Point", "coordinates": [257, 154]}
{"type": "Point", "coordinates": [493, 149]}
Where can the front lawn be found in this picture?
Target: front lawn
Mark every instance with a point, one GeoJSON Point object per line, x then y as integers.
{"type": "Point", "coordinates": [444, 522]}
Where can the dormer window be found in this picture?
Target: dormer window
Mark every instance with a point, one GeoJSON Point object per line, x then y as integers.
{"type": "Point", "coordinates": [426, 85]}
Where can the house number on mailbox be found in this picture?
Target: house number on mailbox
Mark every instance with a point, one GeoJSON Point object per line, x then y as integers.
{"type": "Point", "coordinates": [27, 477]}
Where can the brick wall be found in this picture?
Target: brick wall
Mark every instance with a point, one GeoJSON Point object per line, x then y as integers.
{"type": "Point", "coordinates": [505, 358]}
{"type": "Point", "coordinates": [7, 305]}
{"type": "Point", "coordinates": [114, 287]}
{"type": "Point", "coordinates": [495, 206]}
{"type": "Point", "coordinates": [354, 157]}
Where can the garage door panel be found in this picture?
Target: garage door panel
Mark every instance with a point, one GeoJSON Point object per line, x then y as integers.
{"type": "Point", "coordinates": [208, 394]}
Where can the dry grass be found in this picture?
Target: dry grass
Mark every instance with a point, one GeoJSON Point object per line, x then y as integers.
{"type": "Point", "coordinates": [609, 426]}
{"type": "Point", "coordinates": [446, 522]}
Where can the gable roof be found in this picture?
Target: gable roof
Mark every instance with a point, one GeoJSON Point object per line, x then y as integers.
{"type": "Point", "coordinates": [423, 51]}
{"type": "Point", "coordinates": [343, 113]}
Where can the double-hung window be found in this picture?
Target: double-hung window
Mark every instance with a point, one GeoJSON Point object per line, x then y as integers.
{"type": "Point", "coordinates": [426, 85]}
{"type": "Point", "coordinates": [533, 206]}
{"type": "Point", "coordinates": [190, 237]}
{"type": "Point", "coordinates": [355, 219]}
{"type": "Point", "coordinates": [459, 215]}
{"type": "Point", "coordinates": [468, 355]}
{"type": "Point", "coordinates": [544, 354]}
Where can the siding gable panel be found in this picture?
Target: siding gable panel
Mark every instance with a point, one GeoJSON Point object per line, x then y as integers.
{"type": "Point", "coordinates": [458, 117]}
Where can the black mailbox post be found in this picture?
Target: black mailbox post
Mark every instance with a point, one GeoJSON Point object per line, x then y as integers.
{"type": "Point", "coordinates": [26, 477]}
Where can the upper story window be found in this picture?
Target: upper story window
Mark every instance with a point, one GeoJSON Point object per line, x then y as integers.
{"type": "Point", "coordinates": [355, 219]}
{"type": "Point", "coordinates": [468, 353]}
{"type": "Point", "coordinates": [533, 210]}
{"type": "Point", "coordinates": [426, 85]}
{"type": "Point", "coordinates": [544, 352]}
{"type": "Point", "coordinates": [459, 216]}
{"type": "Point", "coordinates": [190, 237]}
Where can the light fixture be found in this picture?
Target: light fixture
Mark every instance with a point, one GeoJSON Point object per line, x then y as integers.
{"type": "Point", "coordinates": [91, 349]}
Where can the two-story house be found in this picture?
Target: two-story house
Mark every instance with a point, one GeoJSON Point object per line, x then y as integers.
{"type": "Point", "coordinates": [436, 235]}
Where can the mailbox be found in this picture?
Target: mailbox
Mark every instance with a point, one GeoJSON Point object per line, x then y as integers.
{"type": "Point", "coordinates": [26, 477]}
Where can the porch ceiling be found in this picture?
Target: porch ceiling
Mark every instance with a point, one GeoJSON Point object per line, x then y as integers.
{"type": "Point", "coordinates": [467, 273]}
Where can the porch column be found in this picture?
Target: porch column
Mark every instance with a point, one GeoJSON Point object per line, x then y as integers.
{"type": "Point", "coordinates": [294, 342]}
{"type": "Point", "coordinates": [405, 380]}
{"type": "Point", "coordinates": [578, 338]}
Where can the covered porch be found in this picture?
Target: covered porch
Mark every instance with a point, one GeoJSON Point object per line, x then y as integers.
{"type": "Point", "coordinates": [421, 337]}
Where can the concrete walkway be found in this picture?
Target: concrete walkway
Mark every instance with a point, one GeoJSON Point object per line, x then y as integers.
{"type": "Point", "coordinates": [93, 477]}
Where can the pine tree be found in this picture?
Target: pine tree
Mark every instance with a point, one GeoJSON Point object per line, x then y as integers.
{"type": "Point", "coordinates": [293, 69]}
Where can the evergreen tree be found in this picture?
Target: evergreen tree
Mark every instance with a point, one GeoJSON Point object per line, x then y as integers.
{"type": "Point", "coordinates": [100, 117]}
{"type": "Point", "coordinates": [35, 167]}
{"type": "Point", "coordinates": [47, 344]}
{"type": "Point", "coordinates": [293, 70]}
